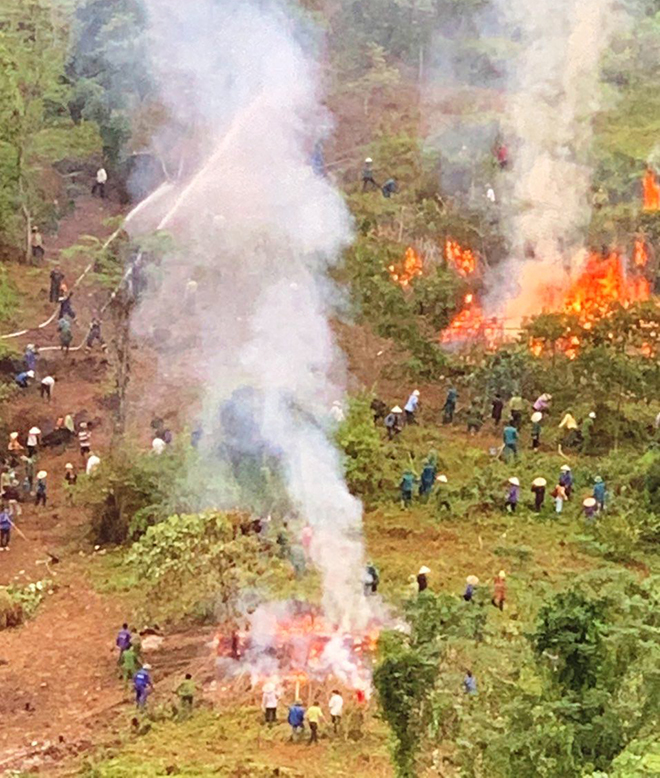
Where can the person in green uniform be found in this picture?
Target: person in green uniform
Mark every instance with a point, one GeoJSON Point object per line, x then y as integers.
{"type": "Point", "coordinates": [129, 663]}
{"type": "Point", "coordinates": [587, 427]}
{"type": "Point", "coordinates": [186, 693]}
{"type": "Point", "coordinates": [407, 486]}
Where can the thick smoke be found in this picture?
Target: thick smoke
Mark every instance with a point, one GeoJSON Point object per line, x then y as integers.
{"type": "Point", "coordinates": [256, 232]}
{"type": "Point", "coordinates": [554, 92]}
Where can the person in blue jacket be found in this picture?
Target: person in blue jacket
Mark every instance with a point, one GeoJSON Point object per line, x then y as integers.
{"type": "Point", "coordinates": [23, 379]}
{"type": "Point", "coordinates": [31, 357]}
{"type": "Point", "coordinates": [143, 685]}
{"type": "Point", "coordinates": [124, 640]}
{"type": "Point", "coordinates": [428, 479]}
{"type": "Point", "coordinates": [599, 493]}
{"type": "Point", "coordinates": [5, 529]}
{"type": "Point", "coordinates": [407, 485]}
{"type": "Point", "coordinates": [296, 719]}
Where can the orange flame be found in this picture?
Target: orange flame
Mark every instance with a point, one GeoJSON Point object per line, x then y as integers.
{"type": "Point", "coordinates": [462, 260]}
{"type": "Point", "coordinates": [410, 268]}
{"type": "Point", "coordinates": [640, 254]}
{"type": "Point", "coordinates": [651, 191]}
{"type": "Point", "coordinates": [471, 325]}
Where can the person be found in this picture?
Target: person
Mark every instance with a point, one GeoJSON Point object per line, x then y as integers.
{"type": "Point", "coordinates": [471, 584]}
{"type": "Point", "coordinates": [513, 495]}
{"type": "Point", "coordinates": [14, 447]}
{"type": "Point", "coordinates": [66, 309]}
{"type": "Point", "coordinates": [336, 707]}
{"type": "Point", "coordinates": [93, 463]}
{"type": "Point", "coordinates": [69, 423]}
{"type": "Point", "coordinates": [590, 507]}
{"type": "Point", "coordinates": [442, 500]}
{"type": "Point", "coordinates": [142, 684]}
{"type": "Point", "coordinates": [393, 422]}
{"type": "Point", "coordinates": [100, 182]}
{"type": "Point", "coordinates": [570, 426]}
{"type": "Point", "coordinates": [497, 408]}
{"type": "Point", "coordinates": [185, 691]}
{"type": "Point", "coordinates": [559, 496]}
{"type": "Point", "coordinates": [371, 579]}
{"type": "Point", "coordinates": [450, 406]}
{"type": "Point", "coordinates": [536, 419]}
{"type": "Point", "coordinates": [129, 663]}
{"type": "Point", "coordinates": [600, 198]}
{"type": "Point", "coordinates": [499, 595]}
{"type": "Point", "coordinates": [422, 580]}
{"type": "Point", "coordinates": [66, 336]}
{"type": "Point", "coordinates": [269, 700]}
{"type": "Point", "coordinates": [40, 498]}
{"type": "Point", "coordinates": [427, 479]}
{"type": "Point", "coordinates": [70, 479]}
{"type": "Point", "coordinates": [469, 683]}
{"type": "Point", "coordinates": [33, 440]}
{"type": "Point", "coordinates": [390, 187]}
{"type": "Point", "coordinates": [5, 529]}
{"type": "Point", "coordinates": [411, 407]}
{"type": "Point", "coordinates": [56, 278]}
{"type": "Point", "coordinates": [37, 246]}
{"type": "Point", "coordinates": [587, 426]}
{"type": "Point", "coordinates": [296, 719]}
{"type": "Point", "coordinates": [474, 418]}
{"type": "Point", "coordinates": [538, 489]}
{"type": "Point", "coordinates": [368, 180]}
{"type": "Point", "coordinates": [502, 156]}
{"type": "Point", "coordinates": [84, 439]}
{"type": "Point", "coordinates": [124, 640]}
{"type": "Point", "coordinates": [158, 446]}
{"type": "Point", "coordinates": [94, 334]}
{"type": "Point", "coordinates": [337, 412]}
{"type": "Point", "coordinates": [379, 409]}
{"type": "Point", "coordinates": [47, 385]}
{"type": "Point", "coordinates": [510, 441]}
{"type": "Point", "coordinates": [516, 407]}
{"type": "Point", "coordinates": [314, 717]}
{"type": "Point", "coordinates": [29, 463]}
{"type": "Point", "coordinates": [23, 379]}
{"type": "Point", "coordinates": [31, 357]}
{"type": "Point", "coordinates": [407, 485]}
{"type": "Point", "coordinates": [542, 403]}
{"type": "Point", "coordinates": [599, 493]}
{"type": "Point", "coordinates": [566, 480]}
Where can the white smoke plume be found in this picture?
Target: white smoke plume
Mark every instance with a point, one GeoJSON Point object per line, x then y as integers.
{"type": "Point", "coordinates": [257, 231]}
{"type": "Point", "coordinates": [554, 94]}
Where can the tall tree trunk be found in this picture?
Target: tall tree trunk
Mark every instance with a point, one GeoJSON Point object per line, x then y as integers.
{"type": "Point", "coordinates": [123, 307]}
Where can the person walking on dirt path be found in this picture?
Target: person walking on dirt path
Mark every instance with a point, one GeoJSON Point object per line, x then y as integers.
{"type": "Point", "coordinates": [33, 440]}
{"type": "Point", "coordinates": [566, 480]}
{"type": "Point", "coordinates": [14, 447]}
{"type": "Point", "coordinates": [94, 335]}
{"type": "Point", "coordinates": [336, 707]}
{"type": "Point", "coordinates": [497, 408]}
{"type": "Point", "coordinates": [5, 529]}
{"type": "Point", "coordinates": [129, 663]}
{"type": "Point", "coordinates": [368, 180]}
{"type": "Point", "coordinates": [513, 495]}
{"type": "Point", "coordinates": [269, 700]}
{"type": "Point", "coordinates": [123, 640]}
{"type": "Point", "coordinates": [41, 497]}
{"type": "Point", "coordinates": [100, 182]}
{"type": "Point", "coordinates": [599, 493]}
{"type": "Point", "coordinates": [422, 580]}
{"type": "Point", "coordinates": [559, 496]}
{"type": "Point", "coordinates": [66, 336]}
{"type": "Point", "coordinates": [84, 440]}
{"type": "Point", "coordinates": [393, 422]}
{"type": "Point", "coordinates": [407, 486]}
{"type": "Point", "coordinates": [66, 308]}
{"type": "Point", "coordinates": [185, 691]}
{"type": "Point", "coordinates": [499, 593]}
{"type": "Point", "coordinates": [516, 408]}
{"type": "Point", "coordinates": [538, 490]}
{"type": "Point", "coordinates": [31, 357]}
{"type": "Point", "coordinates": [587, 428]}
{"type": "Point", "coordinates": [37, 246]}
{"type": "Point", "coordinates": [56, 278]}
{"type": "Point", "coordinates": [510, 441]}
{"type": "Point", "coordinates": [30, 463]}
{"type": "Point", "coordinates": [296, 719]}
{"type": "Point", "coordinates": [46, 388]}
{"type": "Point", "coordinates": [314, 717]}
{"type": "Point", "coordinates": [449, 407]}
{"type": "Point", "coordinates": [411, 407]}
{"type": "Point", "coordinates": [23, 379]}
{"type": "Point", "coordinates": [143, 685]}
{"type": "Point", "coordinates": [537, 418]}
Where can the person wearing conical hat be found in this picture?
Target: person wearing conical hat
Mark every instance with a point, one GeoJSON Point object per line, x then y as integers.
{"type": "Point", "coordinates": [393, 422]}
{"type": "Point", "coordinates": [513, 495]}
{"type": "Point", "coordinates": [499, 590]}
{"type": "Point", "coordinates": [590, 507]}
{"type": "Point", "coordinates": [538, 488]}
{"type": "Point", "coordinates": [566, 479]}
{"type": "Point", "coordinates": [41, 488]}
{"type": "Point", "coordinates": [471, 584]}
{"type": "Point", "coordinates": [559, 496]}
{"type": "Point", "coordinates": [442, 492]}
{"type": "Point", "coordinates": [537, 418]}
{"type": "Point", "coordinates": [599, 493]}
{"type": "Point", "coordinates": [422, 580]}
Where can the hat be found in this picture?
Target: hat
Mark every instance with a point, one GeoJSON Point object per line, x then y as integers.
{"type": "Point", "coordinates": [68, 466]}
{"type": "Point", "coordinates": [416, 392]}
{"type": "Point", "coordinates": [472, 580]}
{"type": "Point", "coordinates": [592, 415]}
{"type": "Point", "coordinates": [30, 346]}
{"type": "Point", "coordinates": [30, 373]}
{"type": "Point", "coordinates": [502, 574]}
{"type": "Point", "coordinates": [34, 431]}
{"type": "Point", "coordinates": [396, 409]}
{"type": "Point", "coordinates": [565, 469]}
{"type": "Point", "coordinates": [146, 666]}
{"type": "Point", "coordinates": [368, 159]}
{"type": "Point", "coordinates": [539, 482]}
{"type": "Point", "coordinates": [42, 474]}
{"type": "Point", "coordinates": [589, 502]}
{"type": "Point", "coordinates": [598, 480]}
{"type": "Point", "coordinates": [546, 397]}
{"type": "Point", "coordinates": [537, 416]}
{"type": "Point", "coordinates": [83, 425]}
{"type": "Point", "coordinates": [442, 479]}
{"type": "Point", "coordinates": [13, 435]}
{"type": "Point", "coordinates": [423, 570]}
{"type": "Point", "coordinates": [514, 481]}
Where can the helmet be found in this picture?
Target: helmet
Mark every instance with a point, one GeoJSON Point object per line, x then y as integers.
{"type": "Point", "coordinates": [592, 415]}
{"type": "Point", "coordinates": [416, 392]}
{"type": "Point", "coordinates": [30, 373]}
{"type": "Point", "coordinates": [368, 160]}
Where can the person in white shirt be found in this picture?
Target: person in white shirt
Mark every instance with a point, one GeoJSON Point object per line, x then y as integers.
{"type": "Point", "coordinates": [336, 705]}
{"type": "Point", "coordinates": [99, 184]}
{"type": "Point", "coordinates": [47, 385]}
{"type": "Point", "coordinates": [269, 702]}
{"type": "Point", "coordinates": [33, 440]}
{"type": "Point", "coordinates": [92, 464]}
{"type": "Point", "coordinates": [158, 445]}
